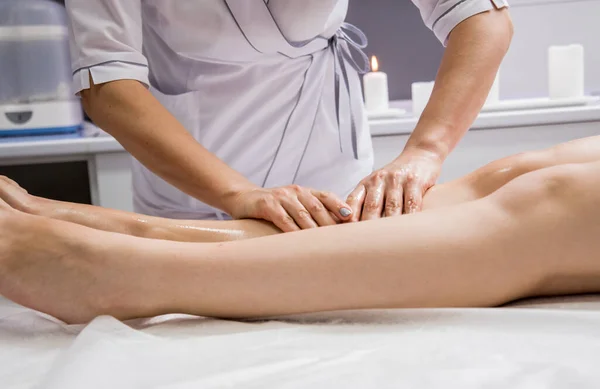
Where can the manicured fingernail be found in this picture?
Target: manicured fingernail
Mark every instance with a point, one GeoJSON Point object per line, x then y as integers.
{"type": "Point", "coordinates": [345, 212]}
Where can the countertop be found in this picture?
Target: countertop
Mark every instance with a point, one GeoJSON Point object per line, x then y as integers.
{"type": "Point", "coordinates": [487, 120]}
{"type": "Point", "coordinates": [94, 141]}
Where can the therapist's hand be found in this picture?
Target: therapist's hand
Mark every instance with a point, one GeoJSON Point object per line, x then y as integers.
{"type": "Point", "coordinates": [396, 188]}
{"type": "Point", "coordinates": [290, 208]}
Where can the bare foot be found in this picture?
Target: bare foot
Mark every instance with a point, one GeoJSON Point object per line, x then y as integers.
{"type": "Point", "coordinates": [72, 272]}
{"type": "Point", "coordinates": [17, 197]}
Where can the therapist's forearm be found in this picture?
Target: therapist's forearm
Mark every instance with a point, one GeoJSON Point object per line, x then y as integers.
{"type": "Point", "coordinates": [475, 50]}
{"type": "Point", "coordinates": [128, 111]}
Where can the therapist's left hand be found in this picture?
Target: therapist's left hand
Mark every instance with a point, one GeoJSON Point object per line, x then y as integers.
{"type": "Point", "coordinates": [396, 188]}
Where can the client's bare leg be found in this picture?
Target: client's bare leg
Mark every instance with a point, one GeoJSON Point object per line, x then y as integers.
{"type": "Point", "coordinates": [134, 224]}
{"type": "Point", "coordinates": [471, 187]}
{"type": "Point", "coordinates": [538, 235]}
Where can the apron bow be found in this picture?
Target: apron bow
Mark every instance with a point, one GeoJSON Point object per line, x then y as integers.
{"type": "Point", "coordinates": [344, 46]}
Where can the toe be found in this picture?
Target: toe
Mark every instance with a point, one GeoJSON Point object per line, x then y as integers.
{"type": "Point", "coordinates": [4, 207]}
{"type": "Point", "coordinates": [12, 183]}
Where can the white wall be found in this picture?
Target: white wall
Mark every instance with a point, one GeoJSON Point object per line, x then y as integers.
{"type": "Point", "coordinates": [540, 24]}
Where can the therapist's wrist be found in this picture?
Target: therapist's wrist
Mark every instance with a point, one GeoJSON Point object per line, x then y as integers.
{"type": "Point", "coordinates": [229, 199]}
{"type": "Point", "coordinates": [435, 135]}
{"type": "Point", "coordinates": [433, 149]}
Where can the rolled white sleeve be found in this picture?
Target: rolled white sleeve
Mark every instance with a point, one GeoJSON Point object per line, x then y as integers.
{"type": "Point", "coordinates": [106, 42]}
{"type": "Point", "coordinates": [441, 16]}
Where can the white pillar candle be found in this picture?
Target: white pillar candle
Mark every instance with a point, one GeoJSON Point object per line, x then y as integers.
{"type": "Point", "coordinates": [375, 85]}
{"type": "Point", "coordinates": [494, 95]}
{"type": "Point", "coordinates": [566, 71]}
{"type": "Point", "coordinates": [421, 92]}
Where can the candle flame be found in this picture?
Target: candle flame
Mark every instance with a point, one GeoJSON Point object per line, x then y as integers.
{"type": "Point", "coordinates": [374, 64]}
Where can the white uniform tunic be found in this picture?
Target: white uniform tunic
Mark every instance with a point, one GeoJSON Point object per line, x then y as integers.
{"type": "Point", "coordinates": [269, 87]}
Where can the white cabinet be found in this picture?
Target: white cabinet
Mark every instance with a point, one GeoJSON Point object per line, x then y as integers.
{"type": "Point", "coordinates": [111, 181]}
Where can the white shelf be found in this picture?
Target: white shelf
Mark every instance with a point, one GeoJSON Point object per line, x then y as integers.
{"type": "Point", "coordinates": [505, 119]}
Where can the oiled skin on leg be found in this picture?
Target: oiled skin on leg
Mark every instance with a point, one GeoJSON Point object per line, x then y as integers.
{"type": "Point", "coordinates": [537, 235]}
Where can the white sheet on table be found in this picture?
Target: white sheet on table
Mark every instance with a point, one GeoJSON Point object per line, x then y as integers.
{"type": "Point", "coordinates": [463, 348]}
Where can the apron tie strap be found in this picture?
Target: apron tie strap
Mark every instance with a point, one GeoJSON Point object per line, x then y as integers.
{"type": "Point", "coordinates": [344, 46]}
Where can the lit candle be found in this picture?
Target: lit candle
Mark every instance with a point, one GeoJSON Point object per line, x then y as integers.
{"type": "Point", "coordinates": [375, 84]}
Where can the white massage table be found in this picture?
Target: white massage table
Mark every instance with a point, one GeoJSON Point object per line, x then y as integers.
{"type": "Point", "coordinates": [540, 344]}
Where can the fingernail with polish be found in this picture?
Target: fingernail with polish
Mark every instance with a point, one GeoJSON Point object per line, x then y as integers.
{"type": "Point", "coordinates": [345, 212]}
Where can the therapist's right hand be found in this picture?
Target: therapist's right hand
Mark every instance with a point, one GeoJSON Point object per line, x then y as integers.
{"type": "Point", "coordinates": [290, 208]}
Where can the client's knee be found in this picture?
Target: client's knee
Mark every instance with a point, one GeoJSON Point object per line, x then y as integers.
{"type": "Point", "coordinates": [516, 165]}
{"type": "Point", "coordinates": [576, 182]}
{"type": "Point", "coordinates": [550, 188]}
{"type": "Point", "coordinates": [498, 173]}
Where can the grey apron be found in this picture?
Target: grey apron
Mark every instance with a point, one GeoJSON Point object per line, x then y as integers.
{"type": "Point", "coordinates": [350, 161]}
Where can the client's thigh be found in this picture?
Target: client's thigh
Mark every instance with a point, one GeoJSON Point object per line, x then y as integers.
{"type": "Point", "coordinates": [557, 211]}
